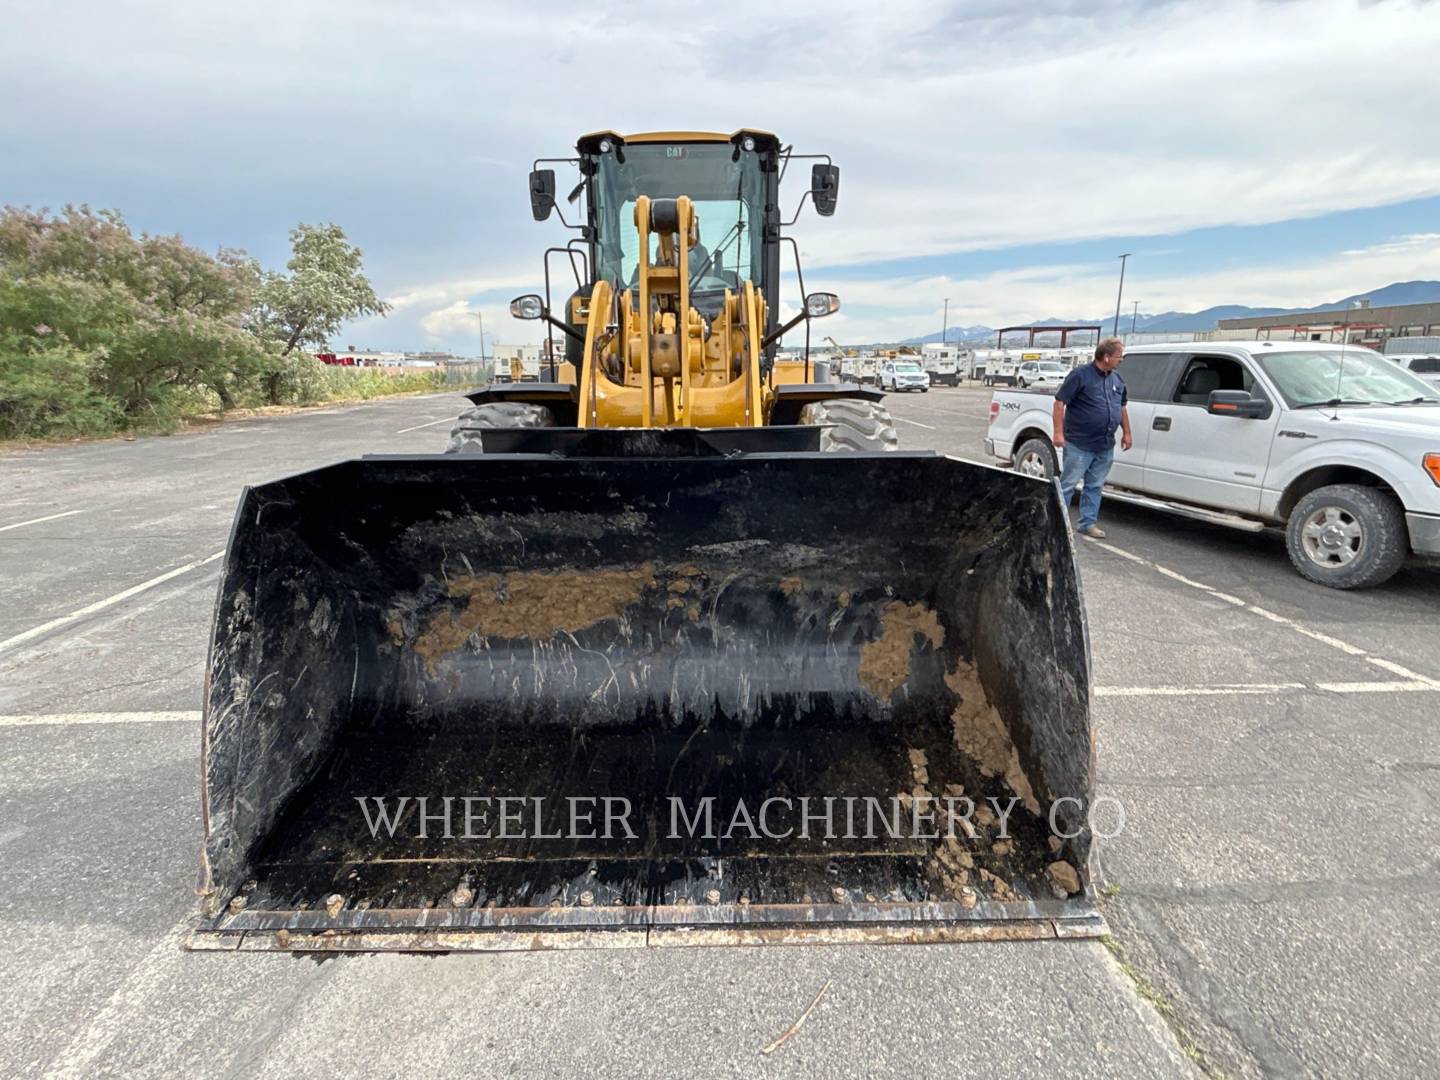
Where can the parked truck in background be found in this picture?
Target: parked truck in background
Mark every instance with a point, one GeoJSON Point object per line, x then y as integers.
{"type": "Point", "coordinates": [1003, 367]}
{"type": "Point", "coordinates": [517, 363]}
{"type": "Point", "coordinates": [941, 363]}
{"type": "Point", "coordinates": [1336, 444]}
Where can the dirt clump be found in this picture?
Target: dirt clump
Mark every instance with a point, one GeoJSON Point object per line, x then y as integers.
{"type": "Point", "coordinates": [885, 662]}
{"type": "Point", "coordinates": [999, 888]}
{"type": "Point", "coordinates": [981, 734]}
{"type": "Point", "coordinates": [532, 605]}
{"type": "Point", "coordinates": [1064, 877]}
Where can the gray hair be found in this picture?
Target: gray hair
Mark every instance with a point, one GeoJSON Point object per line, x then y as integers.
{"type": "Point", "coordinates": [1108, 347]}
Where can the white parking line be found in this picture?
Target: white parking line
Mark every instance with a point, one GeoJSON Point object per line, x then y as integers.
{"type": "Point", "coordinates": [927, 427]}
{"type": "Point", "coordinates": [432, 423]}
{"type": "Point", "coordinates": [1280, 620]}
{"type": "Point", "coordinates": [68, 719]}
{"type": "Point", "coordinates": [101, 605]}
{"type": "Point", "coordinates": [1237, 689]}
{"type": "Point", "coordinates": [37, 521]}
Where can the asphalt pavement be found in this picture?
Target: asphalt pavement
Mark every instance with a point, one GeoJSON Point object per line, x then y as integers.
{"type": "Point", "coordinates": [1273, 893]}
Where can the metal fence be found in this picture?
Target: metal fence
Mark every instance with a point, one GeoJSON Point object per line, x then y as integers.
{"type": "Point", "coordinates": [476, 374]}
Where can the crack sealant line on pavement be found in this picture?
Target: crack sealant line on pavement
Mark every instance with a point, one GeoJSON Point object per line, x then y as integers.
{"type": "Point", "coordinates": [1280, 620]}
{"type": "Point", "coordinates": [1388, 687]}
{"type": "Point", "coordinates": [100, 605]}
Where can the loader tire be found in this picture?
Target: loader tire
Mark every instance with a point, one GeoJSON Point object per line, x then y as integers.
{"type": "Point", "coordinates": [465, 435]}
{"type": "Point", "coordinates": [855, 426]}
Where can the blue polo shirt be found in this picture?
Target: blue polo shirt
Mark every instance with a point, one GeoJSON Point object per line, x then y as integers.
{"type": "Point", "coordinates": [1092, 401]}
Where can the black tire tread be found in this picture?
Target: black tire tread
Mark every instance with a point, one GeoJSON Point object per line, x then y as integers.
{"type": "Point", "coordinates": [858, 426]}
{"type": "Point", "coordinates": [465, 433]}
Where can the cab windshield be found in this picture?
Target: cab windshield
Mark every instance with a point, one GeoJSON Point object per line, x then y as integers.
{"type": "Point", "coordinates": [1362, 377]}
{"type": "Point", "coordinates": [724, 183]}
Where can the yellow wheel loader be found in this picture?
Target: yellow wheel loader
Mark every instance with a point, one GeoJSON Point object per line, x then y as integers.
{"type": "Point", "coordinates": [671, 647]}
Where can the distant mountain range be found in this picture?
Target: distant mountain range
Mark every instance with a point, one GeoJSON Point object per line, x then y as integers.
{"type": "Point", "coordinates": [1165, 322]}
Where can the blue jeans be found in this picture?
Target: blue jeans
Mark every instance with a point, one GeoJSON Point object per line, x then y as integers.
{"type": "Point", "coordinates": [1093, 466]}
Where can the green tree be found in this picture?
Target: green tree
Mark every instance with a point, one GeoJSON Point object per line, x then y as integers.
{"type": "Point", "coordinates": [155, 315]}
{"type": "Point", "coordinates": [326, 286]}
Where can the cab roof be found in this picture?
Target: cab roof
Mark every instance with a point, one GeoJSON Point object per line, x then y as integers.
{"type": "Point", "coordinates": [590, 143]}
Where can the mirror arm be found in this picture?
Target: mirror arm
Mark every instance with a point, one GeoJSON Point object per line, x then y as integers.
{"type": "Point", "coordinates": [564, 327]}
{"type": "Point", "coordinates": [781, 331]}
{"type": "Point", "coordinates": [809, 193]}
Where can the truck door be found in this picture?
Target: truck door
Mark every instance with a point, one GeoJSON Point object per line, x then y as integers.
{"type": "Point", "coordinates": [1149, 378]}
{"type": "Point", "coordinates": [1199, 457]}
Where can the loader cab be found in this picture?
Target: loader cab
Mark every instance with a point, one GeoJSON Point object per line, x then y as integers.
{"type": "Point", "coordinates": [733, 182]}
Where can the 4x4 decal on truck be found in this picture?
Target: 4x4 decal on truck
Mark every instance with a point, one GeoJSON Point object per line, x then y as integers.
{"type": "Point", "coordinates": [1296, 435]}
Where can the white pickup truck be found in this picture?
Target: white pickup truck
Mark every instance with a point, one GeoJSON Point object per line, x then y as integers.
{"type": "Point", "coordinates": [1338, 444]}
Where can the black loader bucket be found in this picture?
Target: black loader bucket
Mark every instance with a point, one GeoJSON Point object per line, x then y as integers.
{"type": "Point", "coordinates": [523, 701]}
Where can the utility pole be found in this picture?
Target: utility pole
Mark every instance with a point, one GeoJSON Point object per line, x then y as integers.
{"type": "Point", "coordinates": [1120, 294]}
{"type": "Point", "coordinates": [1133, 316]}
{"type": "Point", "coordinates": [481, 316]}
{"type": "Point", "coordinates": [945, 324]}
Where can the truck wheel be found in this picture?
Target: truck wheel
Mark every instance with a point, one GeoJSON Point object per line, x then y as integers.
{"type": "Point", "coordinates": [465, 434]}
{"type": "Point", "coordinates": [1347, 536]}
{"type": "Point", "coordinates": [1036, 457]}
{"type": "Point", "coordinates": [858, 425]}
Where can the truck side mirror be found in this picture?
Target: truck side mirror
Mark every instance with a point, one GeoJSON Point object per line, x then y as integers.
{"type": "Point", "coordinates": [1237, 403]}
{"type": "Point", "coordinates": [825, 188]}
{"type": "Point", "coordinates": [542, 193]}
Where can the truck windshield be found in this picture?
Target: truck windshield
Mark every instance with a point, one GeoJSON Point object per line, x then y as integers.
{"type": "Point", "coordinates": [908, 369]}
{"type": "Point", "coordinates": [728, 193]}
{"type": "Point", "coordinates": [1364, 378]}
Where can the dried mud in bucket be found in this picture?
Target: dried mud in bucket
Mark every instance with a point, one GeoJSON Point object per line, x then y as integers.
{"type": "Point", "coordinates": [485, 694]}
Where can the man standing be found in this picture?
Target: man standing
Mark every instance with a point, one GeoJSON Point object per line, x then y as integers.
{"type": "Point", "coordinates": [1089, 406]}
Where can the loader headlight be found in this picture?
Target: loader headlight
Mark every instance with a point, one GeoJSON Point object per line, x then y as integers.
{"type": "Point", "coordinates": [1432, 466]}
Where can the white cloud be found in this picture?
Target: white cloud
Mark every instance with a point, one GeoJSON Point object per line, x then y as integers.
{"type": "Point", "coordinates": [1088, 291]}
{"type": "Point", "coordinates": [957, 127]}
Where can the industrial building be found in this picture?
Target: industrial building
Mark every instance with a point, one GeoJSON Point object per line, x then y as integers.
{"type": "Point", "coordinates": [1371, 326]}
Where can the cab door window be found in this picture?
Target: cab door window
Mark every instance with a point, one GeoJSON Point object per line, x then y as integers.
{"type": "Point", "coordinates": [1150, 376]}
{"type": "Point", "coordinates": [1204, 374]}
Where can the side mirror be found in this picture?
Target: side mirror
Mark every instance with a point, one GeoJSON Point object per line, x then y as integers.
{"type": "Point", "coordinates": [542, 193]}
{"type": "Point", "coordinates": [1237, 403]}
{"type": "Point", "coordinates": [825, 188]}
{"type": "Point", "coordinates": [820, 304]}
{"type": "Point", "coordinates": [529, 306]}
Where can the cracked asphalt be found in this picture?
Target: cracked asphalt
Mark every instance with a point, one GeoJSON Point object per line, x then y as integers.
{"type": "Point", "coordinates": [1273, 894]}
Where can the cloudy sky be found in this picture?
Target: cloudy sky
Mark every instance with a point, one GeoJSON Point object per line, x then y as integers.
{"type": "Point", "coordinates": [996, 153]}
